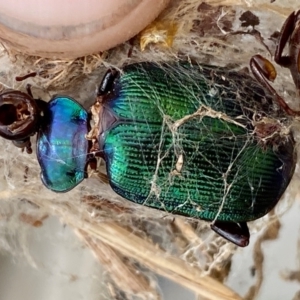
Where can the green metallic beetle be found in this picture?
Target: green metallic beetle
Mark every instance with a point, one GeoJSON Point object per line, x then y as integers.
{"type": "Point", "coordinates": [196, 140]}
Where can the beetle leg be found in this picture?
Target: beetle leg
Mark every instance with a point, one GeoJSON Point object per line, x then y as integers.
{"type": "Point", "coordinates": [264, 71]}
{"type": "Point", "coordinates": [290, 33]}
{"type": "Point", "coordinates": [285, 35]}
{"type": "Point", "coordinates": [24, 144]}
{"type": "Point", "coordinates": [237, 233]}
{"type": "Point", "coordinates": [91, 164]}
{"type": "Point", "coordinates": [28, 147]}
{"type": "Point", "coordinates": [28, 89]}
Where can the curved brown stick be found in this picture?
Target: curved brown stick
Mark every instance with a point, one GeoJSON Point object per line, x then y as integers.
{"type": "Point", "coordinates": [21, 78]}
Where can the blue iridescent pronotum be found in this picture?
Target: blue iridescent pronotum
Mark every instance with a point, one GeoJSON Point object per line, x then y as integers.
{"type": "Point", "coordinates": [61, 144]}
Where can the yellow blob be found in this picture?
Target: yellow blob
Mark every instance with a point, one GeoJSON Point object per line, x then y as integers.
{"type": "Point", "coordinates": [158, 32]}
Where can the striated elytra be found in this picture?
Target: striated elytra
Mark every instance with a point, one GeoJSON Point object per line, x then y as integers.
{"type": "Point", "coordinates": [199, 141]}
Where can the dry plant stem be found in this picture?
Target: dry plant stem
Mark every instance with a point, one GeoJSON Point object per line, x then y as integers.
{"type": "Point", "coordinates": [297, 296]}
{"type": "Point", "coordinates": [132, 246]}
{"type": "Point", "coordinates": [246, 5]}
{"type": "Point", "coordinates": [225, 2]}
{"type": "Point", "coordinates": [154, 258]}
{"type": "Point", "coordinates": [294, 275]}
{"type": "Point", "coordinates": [125, 276]}
{"type": "Point", "coordinates": [187, 231]}
{"type": "Point", "coordinates": [270, 233]}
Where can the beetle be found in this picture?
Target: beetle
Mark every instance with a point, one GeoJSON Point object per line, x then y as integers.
{"type": "Point", "coordinates": [197, 140]}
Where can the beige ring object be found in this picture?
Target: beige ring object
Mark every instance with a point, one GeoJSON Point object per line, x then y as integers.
{"type": "Point", "coordinates": [73, 28]}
